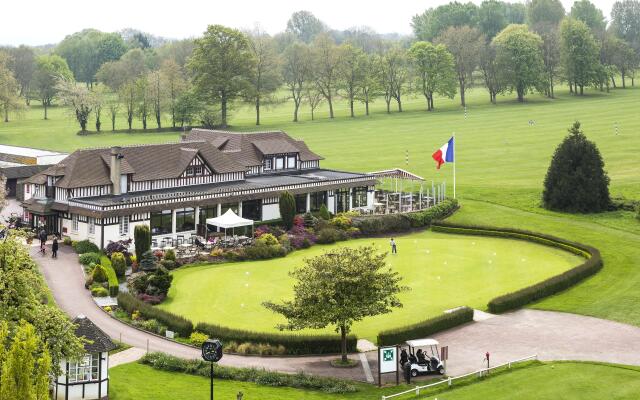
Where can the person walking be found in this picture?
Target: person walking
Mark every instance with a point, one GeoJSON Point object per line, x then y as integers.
{"type": "Point", "coordinates": [42, 235]}
{"type": "Point", "coordinates": [394, 249]}
{"type": "Point", "coordinates": [54, 247]}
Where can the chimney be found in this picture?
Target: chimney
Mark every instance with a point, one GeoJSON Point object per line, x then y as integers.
{"type": "Point", "coordinates": [115, 169]}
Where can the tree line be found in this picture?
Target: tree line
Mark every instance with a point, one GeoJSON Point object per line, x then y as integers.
{"type": "Point", "coordinates": [505, 47]}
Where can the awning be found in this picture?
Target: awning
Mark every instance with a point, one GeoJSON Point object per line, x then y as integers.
{"type": "Point", "coordinates": [396, 173]}
{"type": "Point", "coordinates": [229, 220]}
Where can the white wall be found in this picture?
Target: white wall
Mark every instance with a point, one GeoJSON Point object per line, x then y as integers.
{"type": "Point", "coordinates": [270, 211]}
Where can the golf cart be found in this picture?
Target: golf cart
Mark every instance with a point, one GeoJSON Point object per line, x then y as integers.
{"type": "Point", "coordinates": [422, 357]}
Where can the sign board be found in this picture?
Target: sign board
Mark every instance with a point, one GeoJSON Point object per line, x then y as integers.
{"type": "Point", "coordinates": [388, 357]}
{"type": "Point", "coordinates": [170, 334]}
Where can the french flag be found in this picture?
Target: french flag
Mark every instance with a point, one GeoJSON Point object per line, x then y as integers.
{"type": "Point", "coordinates": [444, 154]}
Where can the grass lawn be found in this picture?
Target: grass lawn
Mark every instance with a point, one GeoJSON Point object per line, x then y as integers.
{"type": "Point", "coordinates": [444, 271]}
{"type": "Point", "coordinates": [567, 381]}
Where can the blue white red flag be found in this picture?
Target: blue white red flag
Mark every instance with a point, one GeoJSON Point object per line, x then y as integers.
{"type": "Point", "coordinates": [444, 154]}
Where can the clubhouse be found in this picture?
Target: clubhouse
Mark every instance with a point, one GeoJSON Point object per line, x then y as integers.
{"type": "Point", "coordinates": [102, 194]}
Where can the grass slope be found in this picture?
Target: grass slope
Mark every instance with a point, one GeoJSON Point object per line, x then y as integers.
{"type": "Point", "coordinates": [566, 380]}
{"type": "Point", "coordinates": [443, 271]}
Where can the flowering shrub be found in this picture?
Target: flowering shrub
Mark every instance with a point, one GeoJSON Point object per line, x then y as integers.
{"type": "Point", "coordinates": [341, 221]}
{"type": "Point", "coordinates": [151, 299]}
{"type": "Point", "coordinates": [121, 246]}
{"type": "Point", "coordinates": [300, 238]}
{"type": "Point", "coordinates": [264, 229]}
{"type": "Point", "coordinates": [159, 254]}
{"type": "Point", "coordinates": [267, 239]}
{"type": "Point", "coordinates": [298, 221]}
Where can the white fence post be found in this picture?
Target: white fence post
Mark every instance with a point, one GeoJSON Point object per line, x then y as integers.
{"type": "Point", "coordinates": [449, 381]}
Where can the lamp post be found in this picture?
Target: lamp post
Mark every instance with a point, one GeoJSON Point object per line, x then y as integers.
{"type": "Point", "coordinates": [212, 352]}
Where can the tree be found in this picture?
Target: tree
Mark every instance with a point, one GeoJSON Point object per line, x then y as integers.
{"type": "Point", "coordinates": [550, 35]}
{"type": "Point", "coordinates": [519, 59]}
{"type": "Point", "coordinates": [490, 71]}
{"type": "Point", "coordinates": [326, 62]}
{"type": "Point", "coordinates": [434, 67]}
{"type": "Point", "coordinates": [174, 84]}
{"type": "Point", "coordinates": [49, 70]}
{"type": "Point", "coordinates": [579, 55]}
{"type": "Point", "coordinates": [369, 85]}
{"type": "Point", "coordinates": [296, 71]}
{"type": "Point", "coordinates": [265, 77]}
{"type": "Point", "coordinates": [544, 11]}
{"type": "Point", "coordinates": [9, 89]}
{"type": "Point", "coordinates": [305, 26]}
{"type": "Point", "coordinates": [79, 100]}
{"type": "Point", "coordinates": [99, 100]}
{"type": "Point", "coordinates": [576, 180]}
{"type": "Point", "coordinates": [143, 99]}
{"type": "Point", "coordinates": [587, 12]}
{"type": "Point", "coordinates": [351, 73]}
{"type": "Point", "coordinates": [113, 107]}
{"type": "Point", "coordinates": [338, 288]}
{"type": "Point", "coordinates": [393, 73]}
{"type": "Point", "coordinates": [221, 65]}
{"type": "Point", "coordinates": [491, 18]}
{"type": "Point", "coordinates": [465, 44]}
{"type": "Point", "coordinates": [156, 96]}
{"type": "Point", "coordinates": [23, 65]}
{"type": "Point", "coordinates": [187, 108]}
{"type": "Point", "coordinates": [141, 240]}
{"type": "Point", "coordinates": [313, 97]}
{"type": "Point", "coordinates": [434, 21]}
{"type": "Point", "coordinates": [622, 56]}
{"type": "Point", "coordinates": [287, 205]}
{"type": "Point", "coordinates": [625, 22]}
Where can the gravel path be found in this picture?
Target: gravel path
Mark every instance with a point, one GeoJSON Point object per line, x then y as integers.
{"type": "Point", "coordinates": [550, 335]}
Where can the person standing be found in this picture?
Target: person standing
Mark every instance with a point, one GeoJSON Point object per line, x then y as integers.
{"type": "Point", "coordinates": [54, 247]}
{"type": "Point", "coordinates": [42, 235]}
{"type": "Point", "coordinates": [394, 249]}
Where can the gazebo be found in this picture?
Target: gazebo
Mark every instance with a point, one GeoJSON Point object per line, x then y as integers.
{"type": "Point", "coordinates": [230, 220]}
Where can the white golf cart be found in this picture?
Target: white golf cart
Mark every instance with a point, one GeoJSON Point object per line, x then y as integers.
{"type": "Point", "coordinates": [422, 357]}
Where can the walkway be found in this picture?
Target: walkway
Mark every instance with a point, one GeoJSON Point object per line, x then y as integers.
{"type": "Point", "coordinates": [551, 335]}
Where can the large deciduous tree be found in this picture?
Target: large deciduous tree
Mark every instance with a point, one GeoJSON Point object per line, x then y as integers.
{"type": "Point", "coordinates": [339, 288]}
{"type": "Point", "coordinates": [579, 55]}
{"type": "Point", "coordinates": [351, 73]}
{"type": "Point", "coordinates": [465, 44]}
{"type": "Point", "coordinates": [587, 12]}
{"type": "Point", "coordinates": [49, 70]}
{"type": "Point", "coordinates": [370, 83]}
{"type": "Point", "coordinates": [576, 180]}
{"type": "Point", "coordinates": [297, 71]}
{"type": "Point", "coordinates": [326, 63]}
{"type": "Point", "coordinates": [491, 71]}
{"type": "Point", "coordinates": [174, 84]}
{"type": "Point", "coordinates": [435, 70]}
{"type": "Point", "coordinates": [23, 65]}
{"type": "Point", "coordinates": [221, 65]}
{"type": "Point", "coordinates": [79, 99]}
{"type": "Point", "coordinates": [492, 17]}
{"type": "Point", "coordinates": [265, 77]}
{"type": "Point", "coordinates": [9, 89]}
{"type": "Point", "coordinates": [625, 22]}
{"type": "Point", "coordinates": [305, 26]}
{"type": "Point", "coordinates": [519, 59]}
{"type": "Point", "coordinates": [434, 21]}
{"type": "Point", "coordinates": [393, 75]}
{"type": "Point", "coordinates": [544, 11]}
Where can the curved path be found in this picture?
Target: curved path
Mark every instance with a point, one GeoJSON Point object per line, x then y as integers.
{"type": "Point", "coordinates": [550, 335]}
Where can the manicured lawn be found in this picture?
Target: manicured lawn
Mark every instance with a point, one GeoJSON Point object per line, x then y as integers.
{"type": "Point", "coordinates": [444, 271]}
{"type": "Point", "coordinates": [566, 381]}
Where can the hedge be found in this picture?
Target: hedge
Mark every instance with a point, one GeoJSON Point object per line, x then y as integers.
{"type": "Point", "coordinates": [422, 329]}
{"type": "Point", "coordinates": [293, 343]}
{"type": "Point", "coordinates": [548, 287]}
{"type": "Point", "coordinates": [174, 322]}
{"type": "Point", "coordinates": [112, 278]}
{"type": "Point", "coordinates": [85, 246]}
{"type": "Point", "coordinates": [300, 380]}
{"type": "Point", "coordinates": [394, 223]}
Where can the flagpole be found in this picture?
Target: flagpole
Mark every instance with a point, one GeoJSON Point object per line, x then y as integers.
{"type": "Point", "coordinates": [455, 156]}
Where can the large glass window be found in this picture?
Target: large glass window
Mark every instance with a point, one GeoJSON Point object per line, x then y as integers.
{"type": "Point", "coordinates": [252, 209]}
{"type": "Point", "coordinates": [92, 225]}
{"type": "Point", "coordinates": [185, 219]}
{"type": "Point", "coordinates": [317, 200]}
{"type": "Point", "coordinates": [74, 222]}
{"type": "Point", "coordinates": [208, 212]}
{"type": "Point", "coordinates": [291, 162]}
{"type": "Point", "coordinates": [342, 200]}
{"type": "Point", "coordinates": [229, 206]}
{"type": "Point", "coordinates": [124, 225]}
{"type": "Point", "coordinates": [301, 203]}
{"type": "Point", "coordinates": [161, 222]}
{"type": "Point", "coordinates": [84, 370]}
{"type": "Point", "coordinates": [279, 163]}
{"type": "Point", "coordinates": [360, 197]}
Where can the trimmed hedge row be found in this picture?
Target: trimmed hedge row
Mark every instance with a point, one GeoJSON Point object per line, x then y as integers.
{"type": "Point", "coordinates": [112, 278]}
{"type": "Point", "coordinates": [294, 344]}
{"type": "Point", "coordinates": [393, 223]}
{"type": "Point", "coordinates": [176, 323]}
{"type": "Point", "coordinates": [165, 362]}
{"type": "Point", "coordinates": [548, 287]}
{"type": "Point", "coordinates": [422, 329]}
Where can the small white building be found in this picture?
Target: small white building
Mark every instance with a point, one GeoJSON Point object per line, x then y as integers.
{"type": "Point", "coordinates": [87, 378]}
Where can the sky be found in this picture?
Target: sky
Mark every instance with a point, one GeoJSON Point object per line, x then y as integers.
{"type": "Point", "coordinates": [38, 22]}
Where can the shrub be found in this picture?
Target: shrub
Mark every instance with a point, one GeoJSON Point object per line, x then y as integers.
{"type": "Point", "coordinates": [152, 325]}
{"type": "Point", "coordinates": [142, 240]}
{"type": "Point", "coordinates": [341, 221]}
{"type": "Point", "coordinates": [85, 246]}
{"type": "Point", "coordinates": [263, 252]}
{"type": "Point", "coordinates": [99, 292]}
{"type": "Point", "coordinates": [267, 239]}
{"type": "Point", "coordinates": [309, 220]}
{"type": "Point", "coordinates": [542, 289]}
{"type": "Point", "coordinates": [331, 235]}
{"type": "Point", "coordinates": [576, 180]}
{"type": "Point", "coordinates": [165, 362]}
{"type": "Point", "coordinates": [287, 206]}
{"type": "Point", "coordinates": [89, 258]}
{"type": "Point", "coordinates": [299, 237]}
{"type": "Point", "coordinates": [425, 328]}
{"type": "Point", "coordinates": [176, 323]}
{"type": "Point", "coordinates": [294, 343]}
{"type": "Point", "coordinates": [217, 252]}
{"type": "Point", "coordinates": [67, 241]}
{"type": "Point", "coordinates": [112, 278]}
{"type": "Point", "coordinates": [197, 338]}
{"type": "Point", "coordinates": [168, 264]}
{"type": "Point", "coordinates": [170, 255]}
{"type": "Point", "coordinates": [120, 246]}
{"type": "Point", "coordinates": [148, 261]}
{"type": "Point", "coordinates": [99, 274]}
{"type": "Point", "coordinates": [119, 263]}
{"type": "Point", "coordinates": [324, 212]}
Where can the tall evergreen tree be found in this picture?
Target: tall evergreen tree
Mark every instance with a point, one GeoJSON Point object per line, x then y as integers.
{"type": "Point", "coordinates": [287, 207]}
{"type": "Point", "coordinates": [576, 180]}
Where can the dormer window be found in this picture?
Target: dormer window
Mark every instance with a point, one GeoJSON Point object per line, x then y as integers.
{"type": "Point", "coordinates": [195, 170]}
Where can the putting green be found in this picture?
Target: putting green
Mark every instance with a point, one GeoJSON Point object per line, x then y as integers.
{"type": "Point", "coordinates": [443, 271]}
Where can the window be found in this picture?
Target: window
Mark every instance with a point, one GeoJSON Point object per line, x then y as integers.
{"type": "Point", "coordinates": [279, 162]}
{"type": "Point", "coordinates": [291, 162]}
{"type": "Point", "coordinates": [194, 170]}
{"type": "Point", "coordinates": [229, 206]}
{"type": "Point", "coordinates": [301, 203]}
{"type": "Point", "coordinates": [74, 222]}
{"type": "Point", "coordinates": [267, 163]}
{"type": "Point", "coordinates": [208, 212]}
{"type": "Point", "coordinates": [124, 225]}
{"type": "Point", "coordinates": [161, 222]}
{"type": "Point", "coordinates": [185, 219]}
{"type": "Point", "coordinates": [92, 226]}
{"type": "Point", "coordinates": [360, 197]}
{"type": "Point", "coordinates": [317, 200]}
{"type": "Point", "coordinates": [27, 188]}
{"type": "Point", "coordinates": [85, 370]}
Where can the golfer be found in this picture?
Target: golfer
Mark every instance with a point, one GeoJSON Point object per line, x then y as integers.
{"type": "Point", "coordinates": [394, 250]}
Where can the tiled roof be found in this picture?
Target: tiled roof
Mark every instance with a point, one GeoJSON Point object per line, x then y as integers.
{"type": "Point", "coordinates": [22, 171]}
{"type": "Point", "coordinates": [97, 340]}
{"type": "Point", "coordinates": [249, 148]}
